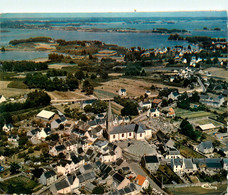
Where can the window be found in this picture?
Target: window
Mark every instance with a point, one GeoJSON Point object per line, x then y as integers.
{"type": "Point", "coordinates": [140, 134]}
{"type": "Point", "coordinates": [113, 136]}
{"type": "Point", "coordinates": [122, 135]}
{"type": "Point", "coordinates": [129, 134]}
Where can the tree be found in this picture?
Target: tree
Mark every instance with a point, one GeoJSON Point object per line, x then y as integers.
{"type": "Point", "coordinates": [87, 87]}
{"type": "Point", "coordinates": [72, 82]}
{"type": "Point", "coordinates": [88, 108]}
{"type": "Point", "coordinates": [53, 137]}
{"type": "Point", "coordinates": [187, 129]}
{"type": "Point", "coordinates": [79, 75]}
{"type": "Point", "coordinates": [93, 76]}
{"type": "Point", "coordinates": [3, 49]}
{"type": "Point", "coordinates": [130, 109]}
{"type": "Point", "coordinates": [98, 190]}
{"type": "Point", "coordinates": [195, 97]}
{"type": "Point", "coordinates": [99, 106]}
{"type": "Point", "coordinates": [143, 73]}
{"type": "Point", "coordinates": [14, 168]}
{"type": "Point", "coordinates": [37, 172]}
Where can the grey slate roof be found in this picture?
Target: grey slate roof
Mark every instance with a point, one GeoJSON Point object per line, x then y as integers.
{"type": "Point", "coordinates": [151, 159]}
{"type": "Point", "coordinates": [118, 178]}
{"type": "Point", "coordinates": [207, 144]}
{"type": "Point", "coordinates": [188, 163]}
{"type": "Point", "coordinates": [128, 128]}
{"type": "Point", "coordinates": [49, 174]}
{"type": "Point", "coordinates": [86, 176]}
{"type": "Point", "coordinates": [215, 163]}
{"type": "Point", "coordinates": [61, 184]}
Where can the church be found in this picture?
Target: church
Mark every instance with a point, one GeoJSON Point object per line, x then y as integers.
{"type": "Point", "coordinates": [124, 132]}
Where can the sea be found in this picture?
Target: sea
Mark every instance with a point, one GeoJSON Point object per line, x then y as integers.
{"type": "Point", "coordinates": [193, 22]}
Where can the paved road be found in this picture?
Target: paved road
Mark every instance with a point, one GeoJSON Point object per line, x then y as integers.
{"type": "Point", "coordinates": [139, 171]}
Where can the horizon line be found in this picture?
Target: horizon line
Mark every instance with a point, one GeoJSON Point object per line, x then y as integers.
{"type": "Point", "coordinates": [117, 11]}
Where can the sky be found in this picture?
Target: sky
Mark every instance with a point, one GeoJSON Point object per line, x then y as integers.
{"type": "Point", "coordinates": [15, 6]}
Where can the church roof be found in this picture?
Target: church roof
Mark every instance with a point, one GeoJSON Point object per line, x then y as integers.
{"type": "Point", "coordinates": [110, 116]}
{"type": "Point", "coordinates": [127, 128]}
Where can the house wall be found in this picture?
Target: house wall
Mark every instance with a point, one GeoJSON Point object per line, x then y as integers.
{"type": "Point", "coordinates": [113, 137]}
{"type": "Point", "coordinates": [123, 184]}
{"type": "Point", "coordinates": [51, 179]}
{"type": "Point", "coordinates": [152, 166]}
{"type": "Point", "coordinates": [118, 152]}
{"type": "Point", "coordinates": [130, 135]}
{"type": "Point", "coordinates": [148, 134]}
{"type": "Point", "coordinates": [64, 191]}
{"type": "Point", "coordinates": [122, 136]}
{"type": "Point", "coordinates": [139, 136]}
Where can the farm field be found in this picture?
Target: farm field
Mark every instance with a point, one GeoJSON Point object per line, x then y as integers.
{"type": "Point", "coordinates": [116, 108]}
{"type": "Point", "coordinates": [198, 190]}
{"type": "Point", "coordinates": [67, 95]}
{"type": "Point", "coordinates": [206, 121]}
{"type": "Point", "coordinates": [11, 92]}
{"type": "Point", "coordinates": [61, 107]}
{"type": "Point", "coordinates": [189, 114]}
{"type": "Point", "coordinates": [104, 94]}
{"type": "Point", "coordinates": [59, 65]}
{"type": "Point", "coordinates": [133, 87]}
{"type": "Point", "coordinates": [218, 72]}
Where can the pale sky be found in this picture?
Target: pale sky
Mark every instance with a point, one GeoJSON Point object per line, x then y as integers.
{"type": "Point", "coordinates": [9, 6]}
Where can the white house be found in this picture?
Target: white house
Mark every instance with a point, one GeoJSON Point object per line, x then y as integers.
{"type": "Point", "coordinates": [183, 166]}
{"type": "Point", "coordinates": [48, 177]}
{"type": "Point", "coordinates": [65, 186]}
{"type": "Point", "coordinates": [151, 163]}
{"type": "Point", "coordinates": [122, 92]}
{"type": "Point", "coordinates": [41, 135]}
{"type": "Point", "coordinates": [142, 182]}
{"type": "Point", "coordinates": [153, 113]}
{"type": "Point", "coordinates": [7, 127]}
{"type": "Point", "coordinates": [146, 105]}
{"type": "Point", "coordinates": [55, 151]}
{"type": "Point", "coordinates": [205, 147]}
{"type": "Point", "coordinates": [131, 131]}
{"type": "Point", "coordinates": [46, 115]}
{"type": "Point", "coordinates": [173, 154]}
{"type": "Point", "coordinates": [173, 95]}
{"type": "Point", "coordinates": [2, 99]}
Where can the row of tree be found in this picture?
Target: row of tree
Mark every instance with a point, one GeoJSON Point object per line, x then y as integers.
{"type": "Point", "coordinates": [187, 129]}
{"type": "Point", "coordinates": [34, 99]}
{"type": "Point", "coordinates": [31, 40]}
{"type": "Point", "coordinates": [21, 66]}
{"type": "Point", "coordinates": [38, 80]}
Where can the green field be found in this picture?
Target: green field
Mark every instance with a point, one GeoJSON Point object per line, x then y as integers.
{"type": "Point", "coordinates": [198, 190]}
{"type": "Point", "coordinates": [20, 184]}
{"type": "Point", "coordinates": [17, 85]}
{"type": "Point", "coordinates": [189, 153]}
{"type": "Point", "coordinates": [189, 114]}
{"type": "Point", "coordinates": [207, 121]}
{"type": "Point", "coordinates": [104, 94]}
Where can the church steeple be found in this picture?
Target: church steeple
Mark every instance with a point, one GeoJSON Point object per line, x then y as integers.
{"type": "Point", "coordinates": [109, 119]}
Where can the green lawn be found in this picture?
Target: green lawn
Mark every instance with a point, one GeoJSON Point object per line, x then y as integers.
{"type": "Point", "coordinates": [206, 121]}
{"type": "Point", "coordinates": [104, 94]}
{"type": "Point", "coordinates": [17, 84]}
{"type": "Point", "coordinates": [189, 114]}
{"type": "Point", "coordinates": [189, 153]}
{"type": "Point", "coordinates": [18, 185]}
{"type": "Point", "coordinates": [198, 190]}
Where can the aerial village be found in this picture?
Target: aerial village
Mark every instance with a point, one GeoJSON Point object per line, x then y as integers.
{"type": "Point", "coordinates": [177, 137]}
